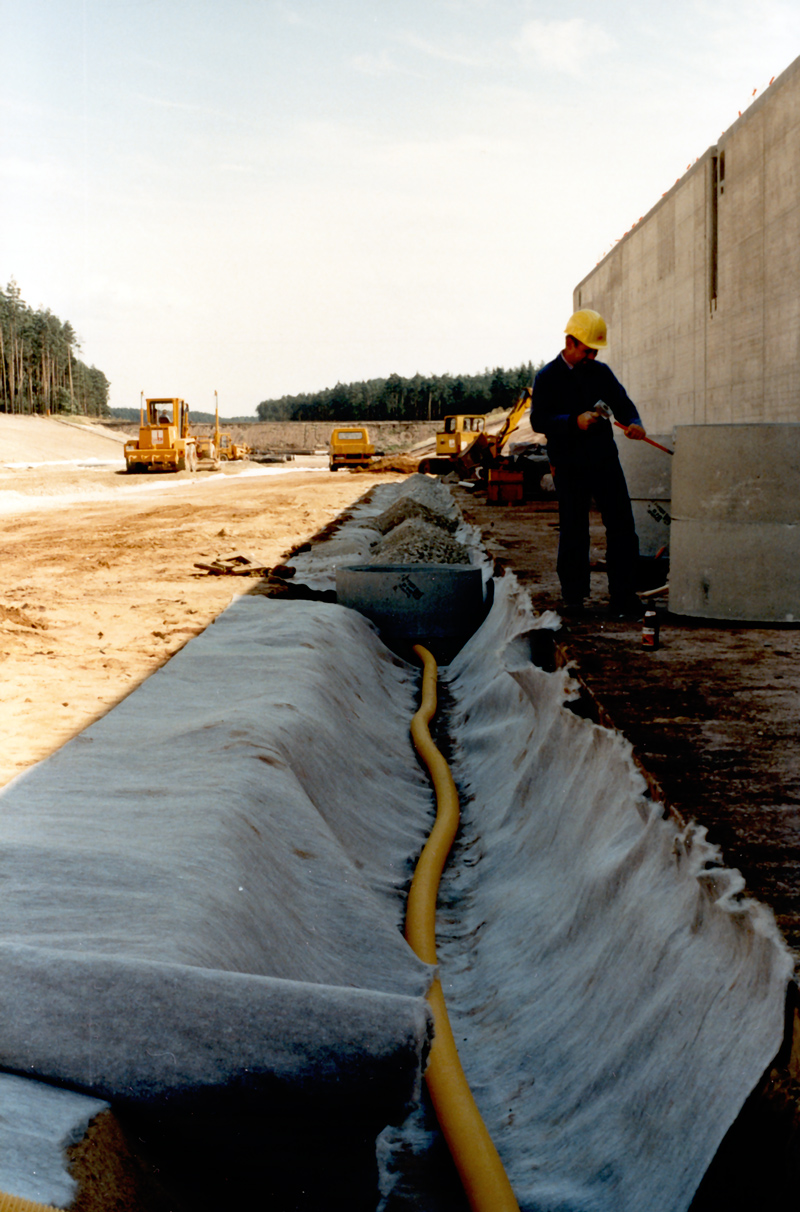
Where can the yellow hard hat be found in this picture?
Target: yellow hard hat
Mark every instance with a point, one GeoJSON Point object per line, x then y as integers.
{"type": "Point", "coordinates": [589, 327]}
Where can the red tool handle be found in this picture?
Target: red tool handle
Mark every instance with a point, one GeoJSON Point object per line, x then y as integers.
{"type": "Point", "coordinates": [657, 445]}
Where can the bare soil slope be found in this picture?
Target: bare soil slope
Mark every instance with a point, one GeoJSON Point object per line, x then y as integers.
{"type": "Point", "coordinates": [39, 439]}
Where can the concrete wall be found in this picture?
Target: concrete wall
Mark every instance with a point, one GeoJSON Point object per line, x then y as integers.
{"type": "Point", "coordinates": [298, 436]}
{"type": "Point", "coordinates": [702, 296]}
{"type": "Point", "coordinates": [285, 436]}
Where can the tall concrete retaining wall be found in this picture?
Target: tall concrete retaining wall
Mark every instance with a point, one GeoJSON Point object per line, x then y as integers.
{"type": "Point", "coordinates": [702, 296]}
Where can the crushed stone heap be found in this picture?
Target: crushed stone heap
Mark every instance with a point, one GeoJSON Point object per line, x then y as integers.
{"type": "Point", "coordinates": [418, 542]}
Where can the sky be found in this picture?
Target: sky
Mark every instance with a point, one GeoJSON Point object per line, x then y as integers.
{"type": "Point", "coordinates": [266, 197]}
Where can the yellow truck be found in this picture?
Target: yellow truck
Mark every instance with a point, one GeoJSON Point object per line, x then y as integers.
{"type": "Point", "coordinates": [350, 447]}
{"type": "Point", "coordinates": [164, 442]}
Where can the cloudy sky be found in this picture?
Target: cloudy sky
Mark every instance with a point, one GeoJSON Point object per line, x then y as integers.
{"type": "Point", "coordinates": [263, 197]}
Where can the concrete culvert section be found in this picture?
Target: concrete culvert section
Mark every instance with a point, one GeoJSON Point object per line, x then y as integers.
{"type": "Point", "coordinates": [736, 523]}
{"type": "Point", "coordinates": [648, 474]}
{"type": "Point", "coordinates": [409, 601]}
{"type": "Point", "coordinates": [202, 923]}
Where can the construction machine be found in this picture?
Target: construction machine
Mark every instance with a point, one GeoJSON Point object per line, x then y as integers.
{"type": "Point", "coordinates": [464, 446]}
{"type": "Point", "coordinates": [454, 439]}
{"type": "Point", "coordinates": [206, 449]}
{"type": "Point", "coordinates": [164, 442]}
{"type": "Point", "coordinates": [219, 445]}
{"type": "Point", "coordinates": [208, 445]}
{"type": "Point", "coordinates": [226, 447]}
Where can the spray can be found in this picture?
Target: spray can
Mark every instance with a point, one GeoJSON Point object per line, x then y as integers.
{"type": "Point", "coordinates": [650, 629]}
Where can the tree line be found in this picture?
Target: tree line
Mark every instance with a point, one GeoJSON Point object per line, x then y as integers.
{"type": "Point", "coordinates": [202, 418]}
{"type": "Point", "coordinates": [421, 398]}
{"type": "Point", "coordinates": [39, 369]}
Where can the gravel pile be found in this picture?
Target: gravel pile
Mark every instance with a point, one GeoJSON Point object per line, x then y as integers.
{"type": "Point", "coordinates": [431, 493]}
{"type": "Point", "coordinates": [409, 507]}
{"type": "Point", "coordinates": [418, 542]}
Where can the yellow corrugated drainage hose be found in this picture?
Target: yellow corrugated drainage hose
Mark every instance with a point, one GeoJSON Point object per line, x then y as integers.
{"type": "Point", "coordinates": [481, 1172]}
{"type": "Point", "coordinates": [14, 1203]}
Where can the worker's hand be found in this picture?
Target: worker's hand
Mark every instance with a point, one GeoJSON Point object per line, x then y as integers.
{"type": "Point", "coordinates": [587, 419]}
{"type": "Point", "coordinates": [635, 431]}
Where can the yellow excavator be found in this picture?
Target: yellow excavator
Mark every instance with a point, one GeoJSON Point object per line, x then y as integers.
{"type": "Point", "coordinates": [464, 446]}
{"type": "Point", "coordinates": [453, 440]}
{"type": "Point", "coordinates": [164, 442]}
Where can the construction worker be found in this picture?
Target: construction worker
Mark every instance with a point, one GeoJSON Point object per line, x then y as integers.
{"type": "Point", "coordinates": [583, 455]}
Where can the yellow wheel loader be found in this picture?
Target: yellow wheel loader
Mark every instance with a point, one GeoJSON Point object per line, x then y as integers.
{"type": "Point", "coordinates": [164, 442]}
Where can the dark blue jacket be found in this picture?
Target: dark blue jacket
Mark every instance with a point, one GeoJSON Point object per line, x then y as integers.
{"type": "Point", "coordinates": [561, 393]}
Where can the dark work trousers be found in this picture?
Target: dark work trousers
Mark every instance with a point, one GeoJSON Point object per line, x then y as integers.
{"type": "Point", "coordinates": [576, 485]}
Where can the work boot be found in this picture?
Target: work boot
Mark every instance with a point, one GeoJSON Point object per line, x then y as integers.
{"type": "Point", "coordinates": [628, 607]}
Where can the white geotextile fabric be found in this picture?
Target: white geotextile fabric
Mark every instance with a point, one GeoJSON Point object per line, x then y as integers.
{"type": "Point", "coordinates": [204, 890]}
{"type": "Point", "coordinates": [37, 1124]}
{"type": "Point", "coordinates": [616, 998]}
{"type": "Point", "coordinates": [203, 896]}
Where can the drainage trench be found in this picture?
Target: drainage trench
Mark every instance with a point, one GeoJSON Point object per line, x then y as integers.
{"type": "Point", "coordinates": [480, 1169]}
{"type": "Point", "coordinates": [206, 895]}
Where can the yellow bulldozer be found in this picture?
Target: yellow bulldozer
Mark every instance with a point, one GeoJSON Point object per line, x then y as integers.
{"type": "Point", "coordinates": [164, 442]}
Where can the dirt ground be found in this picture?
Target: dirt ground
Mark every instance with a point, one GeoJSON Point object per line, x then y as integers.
{"type": "Point", "coordinates": [99, 584]}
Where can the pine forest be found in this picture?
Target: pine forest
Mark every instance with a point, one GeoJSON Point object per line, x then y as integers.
{"type": "Point", "coordinates": [40, 372]}
{"type": "Point", "coordinates": [421, 398]}
{"type": "Point", "coordinates": [39, 368]}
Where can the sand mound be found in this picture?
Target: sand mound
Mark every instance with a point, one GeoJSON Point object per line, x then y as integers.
{"type": "Point", "coordinates": [45, 440]}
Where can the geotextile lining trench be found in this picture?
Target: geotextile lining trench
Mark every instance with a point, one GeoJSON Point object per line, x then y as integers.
{"type": "Point", "coordinates": [204, 895]}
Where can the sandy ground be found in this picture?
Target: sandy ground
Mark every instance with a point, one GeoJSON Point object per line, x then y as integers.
{"type": "Point", "coordinates": [99, 585]}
